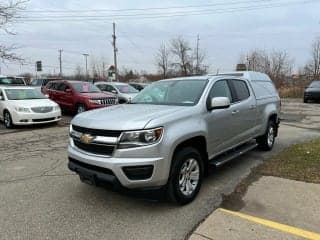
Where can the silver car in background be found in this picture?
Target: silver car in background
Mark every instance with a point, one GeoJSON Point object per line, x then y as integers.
{"type": "Point", "coordinates": [124, 91]}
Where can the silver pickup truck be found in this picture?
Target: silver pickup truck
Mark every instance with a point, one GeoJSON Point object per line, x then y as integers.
{"type": "Point", "coordinates": [173, 130]}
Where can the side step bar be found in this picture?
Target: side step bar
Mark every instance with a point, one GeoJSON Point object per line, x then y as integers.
{"type": "Point", "coordinates": [231, 154]}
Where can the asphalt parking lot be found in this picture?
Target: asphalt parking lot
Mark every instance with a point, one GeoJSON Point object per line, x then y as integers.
{"type": "Point", "coordinates": [41, 199]}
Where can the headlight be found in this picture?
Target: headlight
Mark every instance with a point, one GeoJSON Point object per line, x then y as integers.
{"type": "Point", "coordinates": [57, 108]}
{"type": "Point", "coordinates": [22, 109]}
{"type": "Point", "coordinates": [73, 133]}
{"type": "Point", "coordinates": [95, 101]}
{"type": "Point", "coordinates": [140, 138]}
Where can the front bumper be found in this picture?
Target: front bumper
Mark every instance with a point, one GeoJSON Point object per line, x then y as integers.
{"type": "Point", "coordinates": [312, 95]}
{"type": "Point", "coordinates": [35, 118]}
{"type": "Point", "coordinates": [111, 169]}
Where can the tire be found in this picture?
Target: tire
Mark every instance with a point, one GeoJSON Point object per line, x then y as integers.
{"type": "Point", "coordinates": [305, 100]}
{"type": "Point", "coordinates": [7, 120]}
{"type": "Point", "coordinates": [81, 108]}
{"type": "Point", "coordinates": [266, 141]}
{"type": "Point", "coordinates": [187, 164]}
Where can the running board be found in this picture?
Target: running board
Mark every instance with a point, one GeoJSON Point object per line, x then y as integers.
{"type": "Point", "coordinates": [231, 154]}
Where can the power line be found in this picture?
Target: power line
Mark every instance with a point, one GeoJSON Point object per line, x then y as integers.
{"type": "Point", "coordinates": [146, 9]}
{"type": "Point", "coordinates": [160, 15]}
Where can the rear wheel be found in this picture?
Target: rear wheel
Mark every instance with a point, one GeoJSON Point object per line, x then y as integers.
{"type": "Point", "coordinates": [186, 176]}
{"type": "Point", "coordinates": [266, 141]}
{"type": "Point", "coordinates": [81, 108]}
{"type": "Point", "coordinates": [7, 120]}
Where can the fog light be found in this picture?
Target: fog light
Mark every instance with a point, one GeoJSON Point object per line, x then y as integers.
{"type": "Point", "coordinates": [138, 172]}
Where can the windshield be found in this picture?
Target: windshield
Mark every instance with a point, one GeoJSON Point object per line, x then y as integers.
{"type": "Point", "coordinates": [85, 88]}
{"type": "Point", "coordinates": [36, 82]}
{"type": "Point", "coordinates": [315, 84]}
{"type": "Point", "coordinates": [11, 81]}
{"type": "Point", "coordinates": [23, 94]}
{"type": "Point", "coordinates": [126, 88]}
{"type": "Point", "coordinates": [172, 92]}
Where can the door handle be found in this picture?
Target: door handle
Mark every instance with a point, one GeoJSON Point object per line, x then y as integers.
{"type": "Point", "coordinates": [234, 112]}
{"type": "Point", "coordinates": [252, 106]}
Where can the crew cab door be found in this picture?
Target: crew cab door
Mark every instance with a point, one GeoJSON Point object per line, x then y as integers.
{"type": "Point", "coordinates": [243, 110]}
{"type": "Point", "coordinates": [219, 121]}
{"type": "Point", "coordinates": [65, 95]}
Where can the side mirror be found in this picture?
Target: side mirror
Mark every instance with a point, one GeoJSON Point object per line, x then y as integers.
{"type": "Point", "coordinates": [68, 90]}
{"type": "Point", "coordinates": [1, 98]}
{"type": "Point", "coordinates": [219, 103]}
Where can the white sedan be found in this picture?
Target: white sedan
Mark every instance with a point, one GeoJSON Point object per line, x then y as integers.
{"type": "Point", "coordinates": [26, 106]}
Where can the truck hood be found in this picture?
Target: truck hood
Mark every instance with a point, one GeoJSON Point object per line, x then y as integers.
{"type": "Point", "coordinates": [124, 116]}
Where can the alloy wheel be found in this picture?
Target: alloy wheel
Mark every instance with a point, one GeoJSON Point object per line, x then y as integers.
{"type": "Point", "coordinates": [189, 176]}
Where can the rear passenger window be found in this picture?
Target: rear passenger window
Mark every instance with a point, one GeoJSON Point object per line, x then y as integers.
{"type": "Point", "coordinates": [241, 90]}
{"type": "Point", "coordinates": [62, 87]}
{"type": "Point", "coordinates": [220, 89]}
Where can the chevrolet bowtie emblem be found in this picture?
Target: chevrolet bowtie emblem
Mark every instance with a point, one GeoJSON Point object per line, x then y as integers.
{"type": "Point", "coordinates": [86, 138]}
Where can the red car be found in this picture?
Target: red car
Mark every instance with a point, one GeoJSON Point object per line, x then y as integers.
{"type": "Point", "coordinates": [77, 96]}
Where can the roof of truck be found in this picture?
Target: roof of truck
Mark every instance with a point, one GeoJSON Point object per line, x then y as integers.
{"type": "Point", "coordinates": [250, 75]}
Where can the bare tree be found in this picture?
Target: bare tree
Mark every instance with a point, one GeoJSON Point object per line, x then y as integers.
{"type": "Point", "coordinates": [8, 15]}
{"type": "Point", "coordinates": [162, 59]}
{"type": "Point", "coordinates": [313, 68]}
{"type": "Point", "coordinates": [79, 73]}
{"type": "Point", "coordinates": [278, 65]}
{"type": "Point", "coordinates": [182, 55]}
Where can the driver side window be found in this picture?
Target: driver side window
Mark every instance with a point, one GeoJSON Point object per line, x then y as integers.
{"type": "Point", "coordinates": [220, 89]}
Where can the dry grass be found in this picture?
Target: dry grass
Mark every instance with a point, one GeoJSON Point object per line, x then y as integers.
{"type": "Point", "coordinates": [291, 92]}
{"type": "Point", "coordinates": [299, 162]}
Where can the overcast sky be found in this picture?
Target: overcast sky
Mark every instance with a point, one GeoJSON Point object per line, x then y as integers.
{"type": "Point", "coordinates": [224, 35]}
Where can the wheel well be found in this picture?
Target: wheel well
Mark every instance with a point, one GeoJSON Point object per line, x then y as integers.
{"type": "Point", "coordinates": [198, 143]}
{"type": "Point", "coordinates": [273, 118]}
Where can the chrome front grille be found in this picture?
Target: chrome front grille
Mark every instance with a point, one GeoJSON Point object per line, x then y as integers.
{"type": "Point", "coordinates": [42, 109]}
{"type": "Point", "coordinates": [102, 142]}
{"type": "Point", "coordinates": [108, 101]}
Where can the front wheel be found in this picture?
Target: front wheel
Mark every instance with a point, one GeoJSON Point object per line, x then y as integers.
{"type": "Point", "coordinates": [186, 176]}
{"type": "Point", "coordinates": [7, 120]}
{"type": "Point", "coordinates": [266, 141]}
{"type": "Point", "coordinates": [81, 108]}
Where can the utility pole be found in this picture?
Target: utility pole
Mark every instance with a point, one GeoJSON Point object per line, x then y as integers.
{"type": "Point", "coordinates": [86, 58]}
{"type": "Point", "coordinates": [115, 50]}
{"type": "Point", "coordinates": [60, 62]}
{"type": "Point", "coordinates": [197, 55]}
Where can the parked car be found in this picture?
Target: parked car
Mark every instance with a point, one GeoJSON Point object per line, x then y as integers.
{"type": "Point", "coordinates": [26, 106]}
{"type": "Point", "coordinates": [124, 91]}
{"type": "Point", "coordinates": [312, 92]}
{"type": "Point", "coordinates": [173, 130]}
{"type": "Point", "coordinates": [12, 81]}
{"type": "Point", "coordinates": [77, 96]}
{"type": "Point", "coordinates": [42, 82]}
{"type": "Point", "coordinates": [138, 86]}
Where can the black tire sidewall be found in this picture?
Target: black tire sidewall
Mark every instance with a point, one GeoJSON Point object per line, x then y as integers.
{"type": "Point", "coordinates": [180, 157]}
{"type": "Point", "coordinates": [11, 124]}
{"type": "Point", "coordinates": [80, 105]}
{"type": "Point", "coordinates": [263, 140]}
